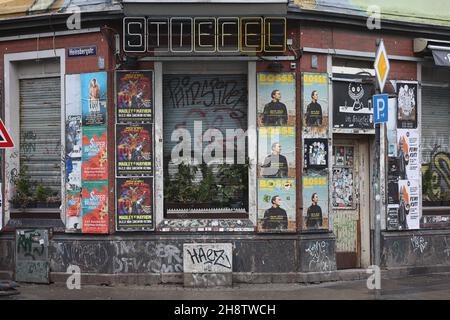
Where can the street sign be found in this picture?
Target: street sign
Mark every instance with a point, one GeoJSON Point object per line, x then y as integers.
{"type": "Point", "coordinates": [5, 138]}
{"type": "Point", "coordinates": [380, 108]}
{"type": "Point", "coordinates": [381, 65]}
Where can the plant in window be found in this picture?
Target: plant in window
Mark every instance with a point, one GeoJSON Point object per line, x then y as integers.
{"type": "Point", "coordinates": [233, 182]}
{"type": "Point", "coordinates": [23, 197]}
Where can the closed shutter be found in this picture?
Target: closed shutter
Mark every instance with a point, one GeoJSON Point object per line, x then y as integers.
{"type": "Point", "coordinates": [40, 131]}
{"type": "Point", "coordinates": [435, 120]}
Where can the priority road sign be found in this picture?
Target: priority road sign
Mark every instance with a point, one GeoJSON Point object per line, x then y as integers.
{"type": "Point", "coordinates": [381, 65]}
{"type": "Point", "coordinates": [5, 138]}
{"type": "Point", "coordinates": [380, 108]}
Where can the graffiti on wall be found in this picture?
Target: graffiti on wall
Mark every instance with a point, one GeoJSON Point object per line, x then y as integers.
{"type": "Point", "coordinates": [32, 255]}
{"type": "Point", "coordinates": [207, 257]}
{"type": "Point", "coordinates": [318, 256]}
{"type": "Point", "coordinates": [436, 178]}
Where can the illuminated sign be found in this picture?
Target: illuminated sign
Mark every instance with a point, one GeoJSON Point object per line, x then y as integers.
{"type": "Point", "coordinates": [204, 35]}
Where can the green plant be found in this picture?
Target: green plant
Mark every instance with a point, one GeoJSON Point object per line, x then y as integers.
{"type": "Point", "coordinates": [23, 196]}
{"type": "Point", "coordinates": [41, 194]}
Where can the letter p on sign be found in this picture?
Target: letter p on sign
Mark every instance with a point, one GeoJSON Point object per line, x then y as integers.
{"type": "Point", "coordinates": [380, 108]}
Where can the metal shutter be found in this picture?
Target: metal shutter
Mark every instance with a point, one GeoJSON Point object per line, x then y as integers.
{"type": "Point", "coordinates": [40, 130]}
{"type": "Point", "coordinates": [435, 120]}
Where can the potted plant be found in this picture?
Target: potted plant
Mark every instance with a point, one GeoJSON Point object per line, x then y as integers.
{"type": "Point", "coordinates": [23, 197]}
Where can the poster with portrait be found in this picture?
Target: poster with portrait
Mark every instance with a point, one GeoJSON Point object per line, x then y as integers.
{"type": "Point", "coordinates": [352, 105]}
{"type": "Point", "coordinates": [276, 205]}
{"type": "Point", "coordinates": [94, 206]}
{"type": "Point", "coordinates": [315, 105]}
{"type": "Point", "coordinates": [342, 187]}
{"type": "Point", "coordinates": [406, 105]}
{"type": "Point", "coordinates": [276, 99]}
{"type": "Point", "coordinates": [74, 219]}
{"type": "Point", "coordinates": [94, 158]}
{"type": "Point", "coordinates": [134, 156]}
{"type": "Point", "coordinates": [134, 96]}
{"type": "Point", "coordinates": [276, 152]}
{"type": "Point", "coordinates": [408, 208]}
{"type": "Point", "coordinates": [315, 153]}
{"type": "Point", "coordinates": [408, 154]}
{"type": "Point", "coordinates": [94, 96]}
{"type": "Point", "coordinates": [134, 204]}
{"type": "Point", "coordinates": [315, 202]}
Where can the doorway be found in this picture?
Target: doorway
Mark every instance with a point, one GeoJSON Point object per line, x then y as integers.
{"type": "Point", "coordinates": [350, 201]}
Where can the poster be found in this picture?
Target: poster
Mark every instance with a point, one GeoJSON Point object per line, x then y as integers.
{"type": "Point", "coordinates": [342, 188]}
{"type": "Point", "coordinates": [94, 158]}
{"type": "Point", "coordinates": [276, 205]}
{"type": "Point", "coordinates": [352, 105]}
{"type": "Point", "coordinates": [315, 154]}
{"type": "Point", "coordinates": [73, 211]}
{"type": "Point", "coordinates": [315, 105]}
{"type": "Point", "coordinates": [134, 94]}
{"type": "Point", "coordinates": [315, 202]}
{"type": "Point", "coordinates": [73, 174]}
{"type": "Point", "coordinates": [276, 99]}
{"type": "Point", "coordinates": [134, 204]}
{"type": "Point", "coordinates": [407, 105]}
{"type": "Point", "coordinates": [392, 217]}
{"type": "Point", "coordinates": [392, 127]}
{"type": "Point", "coordinates": [73, 116]}
{"type": "Point", "coordinates": [408, 209]}
{"type": "Point", "coordinates": [94, 204]}
{"type": "Point", "coordinates": [94, 97]}
{"type": "Point", "coordinates": [408, 154]}
{"type": "Point", "coordinates": [276, 152]}
{"type": "Point", "coordinates": [134, 150]}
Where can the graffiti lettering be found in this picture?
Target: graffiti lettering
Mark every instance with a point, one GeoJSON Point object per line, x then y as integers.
{"type": "Point", "coordinates": [25, 244]}
{"type": "Point", "coordinates": [213, 257]}
{"type": "Point", "coordinates": [318, 255]}
{"type": "Point", "coordinates": [418, 243]}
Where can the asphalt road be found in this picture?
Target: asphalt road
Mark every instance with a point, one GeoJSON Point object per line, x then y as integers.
{"type": "Point", "coordinates": [428, 287]}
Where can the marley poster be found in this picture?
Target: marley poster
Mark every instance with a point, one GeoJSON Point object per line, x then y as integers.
{"type": "Point", "coordinates": [134, 204]}
{"type": "Point", "coordinates": [94, 204]}
{"type": "Point", "coordinates": [276, 152]}
{"type": "Point", "coordinates": [94, 97]}
{"type": "Point", "coordinates": [352, 105]}
{"type": "Point", "coordinates": [276, 205]}
{"type": "Point", "coordinates": [134, 94]}
{"type": "Point", "coordinates": [276, 99]}
{"type": "Point", "coordinates": [94, 158]}
{"type": "Point", "coordinates": [315, 202]}
{"type": "Point", "coordinates": [406, 105]}
{"type": "Point", "coordinates": [315, 105]}
{"type": "Point", "coordinates": [134, 150]}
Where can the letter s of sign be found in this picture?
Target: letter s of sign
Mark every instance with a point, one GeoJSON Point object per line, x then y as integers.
{"type": "Point", "coordinates": [74, 280]}
{"type": "Point", "coordinates": [74, 20]}
{"type": "Point", "coordinates": [374, 281]}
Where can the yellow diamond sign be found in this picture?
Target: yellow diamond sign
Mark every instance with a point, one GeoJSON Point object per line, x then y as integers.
{"type": "Point", "coordinates": [381, 65]}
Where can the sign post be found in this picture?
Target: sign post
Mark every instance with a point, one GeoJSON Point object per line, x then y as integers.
{"type": "Point", "coordinates": [380, 102]}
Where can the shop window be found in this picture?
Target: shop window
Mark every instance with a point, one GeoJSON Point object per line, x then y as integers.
{"type": "Point", "coordinates": [205, 152]}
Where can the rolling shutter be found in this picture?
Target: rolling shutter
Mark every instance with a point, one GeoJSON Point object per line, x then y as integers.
{"type": "Point", "coordinates": [40, 130]}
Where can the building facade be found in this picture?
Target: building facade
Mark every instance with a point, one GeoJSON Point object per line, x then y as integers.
{"type": "Point", "coordinates": [141, 126]}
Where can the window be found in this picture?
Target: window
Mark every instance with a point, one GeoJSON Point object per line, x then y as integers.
{"type": "Point", "coordinates": [205, 164]}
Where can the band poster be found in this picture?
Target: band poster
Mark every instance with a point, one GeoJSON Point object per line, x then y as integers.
{"type": "Point", "coordinates": [315, 154]}
{"type": "Point", "coordinates": [407, 105]}
{"type": "Point", "coordinates": [134, 150]}
{"type": "Point", "coordinates": [276, 205]}
{"type": "Point", "coordinates": [276, 152]}
{"type": "Point", "coordinates": [94, 160]}
{"type": "Point", "coordinates": [134, 204]}
{"type": "Point", "coordinates": [94, 203]}
{"type": "Point", "coordinates": [315, 202]}
{"type": "Point", "coordinates": [134, 96]}
{"type": "Point", "coordinates": [94, 95]}
{"type": "Point", "coordinates": [315, 105]}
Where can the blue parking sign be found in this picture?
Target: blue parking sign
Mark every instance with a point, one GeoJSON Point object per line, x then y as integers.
{"type": "Point", "coordinates": [380, 108]}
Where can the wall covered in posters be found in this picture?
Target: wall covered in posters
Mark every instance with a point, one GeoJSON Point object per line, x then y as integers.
{"type": "Point", "coordinates": [276, 101]}
{"type": "Point", "coordinates": [86, 178]}
{"type": "Point", "coordinates": [352, 105]}
{"type": "Point", "coordinates": [315, 186]}
{"type": "Point", "coordinates": [134, 150]}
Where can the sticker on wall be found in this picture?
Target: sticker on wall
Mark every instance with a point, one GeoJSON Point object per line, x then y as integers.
{"type": "Point", "coordinates": [342, 188]}
{"type": "Point", "coordinates": [134, 94]}
{"type": "Point", "coordinates": [94, 202]}
{"type": "Point", "coordinates": [276, 205]}
{"type": "Point", "coordinates": [315, 202]}
{"type": "Point", "coordinates": [352, 105]}
{"type": "Point", "coordinates": [94, 97]}
{"type": "Point", "coordinates": [134, 204]}
{"type": "Point", "coordinates": [407, 105]}
{"type": "Point", "coordinates": [315, 154]}
{"type": "Point", "coordinates": [276, 152]}
{"type": "Point", "coordinates": [134, 150]}
{"type": "Point", "coordinates": [315, 105]}
{"type": "Point", "coordinates": [408, 210]}
{"type": "Point", "coordinates": [276, 99]}
{"type": "Point", "coordinates": [408, 154]}
{"type": "Point", "coordinates": [94, 165]}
